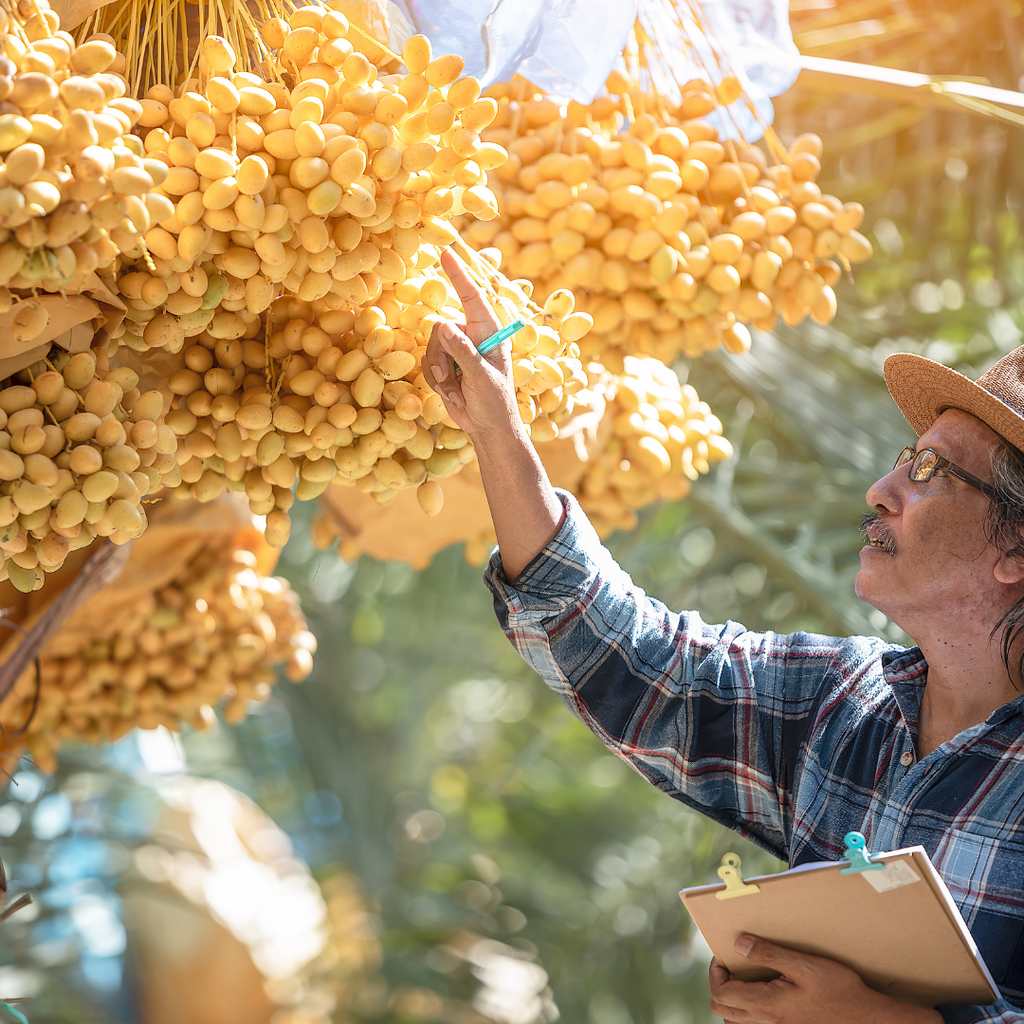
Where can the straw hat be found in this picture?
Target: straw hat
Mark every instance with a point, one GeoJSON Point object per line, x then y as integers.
{"type": "Point", "coordinates": [923, 388]}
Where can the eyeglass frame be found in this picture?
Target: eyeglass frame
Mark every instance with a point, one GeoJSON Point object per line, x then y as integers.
{"type": "Point", "coordinates": [909, 456]}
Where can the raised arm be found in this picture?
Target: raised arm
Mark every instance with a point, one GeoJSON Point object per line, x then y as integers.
{"type": "Point", "coordinates": [480, 398]}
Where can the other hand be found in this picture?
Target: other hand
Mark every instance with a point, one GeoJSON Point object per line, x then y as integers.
{"type": "Point", "coordinates": [479, 396]}
{"type": "Point", "coordinates": [810, 990]}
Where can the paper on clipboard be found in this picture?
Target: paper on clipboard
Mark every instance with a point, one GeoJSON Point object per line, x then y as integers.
{"type": "Point", "coordinates": [904, 939]}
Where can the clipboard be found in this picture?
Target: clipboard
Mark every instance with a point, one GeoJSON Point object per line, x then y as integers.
{"type": "Point", "coordinates": [888, 916]}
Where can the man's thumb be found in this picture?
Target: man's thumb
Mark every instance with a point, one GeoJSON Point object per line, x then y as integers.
{"type": "Point", "coordinates": [765, 953]}
{"type": "Point", "coordinates": [458, 346]}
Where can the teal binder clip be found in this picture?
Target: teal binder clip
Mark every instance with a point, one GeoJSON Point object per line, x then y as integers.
{"type": "Point", "coordinates": [858, 855]}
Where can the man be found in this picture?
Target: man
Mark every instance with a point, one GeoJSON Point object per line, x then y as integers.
{"type": "Point", "coordinates": [793, 741]}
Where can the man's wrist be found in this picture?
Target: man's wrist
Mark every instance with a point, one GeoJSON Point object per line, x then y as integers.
{"type": "Point", "coordinates": [499, 438]}
{"type": "Point", "coordinates": [892, 1011]}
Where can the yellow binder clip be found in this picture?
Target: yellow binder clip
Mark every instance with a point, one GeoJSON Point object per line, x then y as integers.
{"type": "Point", "coordinates": [729, 873]}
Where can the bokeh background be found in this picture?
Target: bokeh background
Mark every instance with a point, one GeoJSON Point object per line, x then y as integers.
{"type": "Point", "coordinates": [421, 832]}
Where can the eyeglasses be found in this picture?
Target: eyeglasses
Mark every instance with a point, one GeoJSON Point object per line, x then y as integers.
{"type": "Point", "coordinates": [924, 464]}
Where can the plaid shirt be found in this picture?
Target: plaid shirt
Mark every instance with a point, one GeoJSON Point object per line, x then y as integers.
{"type": "Point", "coordinates": [792, 741]}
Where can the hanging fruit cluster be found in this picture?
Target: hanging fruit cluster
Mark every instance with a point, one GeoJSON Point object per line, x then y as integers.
{"type": "Point", "coordinates": [76, 188]}
{"type": "Point", "coordinates": [80, 448]}
{"type": "Point", "coordinates": [662, 438]}
{"type": "Point", "coordinates": [292, 276]}
{"type": "Point", "coordinates": [672, 237]}
{"type": "Point", "coordinates": [210, 628]}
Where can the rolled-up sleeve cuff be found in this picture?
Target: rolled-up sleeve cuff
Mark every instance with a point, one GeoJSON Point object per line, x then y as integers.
{"type": "Point", "coordinates": [566, 567]}
{"type": "Point", "coordinates": [1000, 1012]}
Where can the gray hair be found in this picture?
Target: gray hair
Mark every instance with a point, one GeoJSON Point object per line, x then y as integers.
{"type": "Point", "coordinates": [1004, 526]}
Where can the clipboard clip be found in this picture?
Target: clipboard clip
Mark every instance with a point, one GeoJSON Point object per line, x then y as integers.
{"type": "Point", "coordinates": [729, 873]}
{"type": "Point", "coordinates": [858, 855]}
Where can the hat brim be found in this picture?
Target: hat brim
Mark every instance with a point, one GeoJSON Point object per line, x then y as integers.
{"type": "Point", "coordinates": [923, 389]}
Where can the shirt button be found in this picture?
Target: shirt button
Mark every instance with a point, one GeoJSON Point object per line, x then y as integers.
{"type": "Point", "coordinates": [906, 759]}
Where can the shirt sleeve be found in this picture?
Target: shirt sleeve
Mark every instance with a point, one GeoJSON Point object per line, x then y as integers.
{"type": "Point", "coordinates": [712, 715]}
{"type": "Point", "coordinates": [1000, 1012]}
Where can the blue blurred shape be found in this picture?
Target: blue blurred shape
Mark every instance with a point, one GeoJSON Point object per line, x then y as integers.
{"type": "Point", "coordinates": [27, 786]}
{"type": "Point", "coordinates": [52, 816]}
{"type": "Point", "coordinates": [323, 808]}
{"type": "Point", "coordinates": [77, 857]}
{"type": "Point", "coordinates": [102, 972]}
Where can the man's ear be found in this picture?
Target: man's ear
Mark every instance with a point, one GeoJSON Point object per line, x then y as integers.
{"type": "Point", "coordinates": [1009, 569]}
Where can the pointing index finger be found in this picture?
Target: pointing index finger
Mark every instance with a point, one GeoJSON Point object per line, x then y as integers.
{"type": "Point", "coordinates": [477, 307]}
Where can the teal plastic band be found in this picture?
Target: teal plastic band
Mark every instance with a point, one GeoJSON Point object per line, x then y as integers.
{"type": "Point", "coordinates": [491, 343]}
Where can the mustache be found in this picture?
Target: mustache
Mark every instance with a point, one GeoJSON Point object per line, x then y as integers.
{"type": "Point", "coordinates": [875, 522]}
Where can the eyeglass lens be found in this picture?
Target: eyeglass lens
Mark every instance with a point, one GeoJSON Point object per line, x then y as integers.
{"type": "Point", "coordinates": [924, 463]}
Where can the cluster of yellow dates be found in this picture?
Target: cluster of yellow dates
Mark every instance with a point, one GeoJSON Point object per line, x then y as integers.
{"type": "Point", "coordinates": [281, 260]}
{"type": "Point", "coordinates": [208, 629]}
{"type": "Point", "coordinates": [671, 237]}
{"type": "Point", "coordinates": [75, 183]}
{"type": "Point", "coordinates": [80, 447]}
{"type": "Point", "coordinates": [292, 278]}
{"type": "Point", "coordinates": [662, 438]}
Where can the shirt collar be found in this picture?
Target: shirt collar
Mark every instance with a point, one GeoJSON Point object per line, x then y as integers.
{"type": "Point", "coordinates": [906, 672]}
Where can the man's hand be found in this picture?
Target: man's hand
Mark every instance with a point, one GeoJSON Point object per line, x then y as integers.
{"type": "Point", "coordinates": [481, 399]}
{"type": "Point", "coordinates": [811, 990]}
{"type": "Point", "coordinates": [479, 396]}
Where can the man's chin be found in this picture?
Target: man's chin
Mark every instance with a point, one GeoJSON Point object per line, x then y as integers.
{"type": "Point", "coordinates": [866, 588]}
{"type": "Point", "coordinates": [863, 584]}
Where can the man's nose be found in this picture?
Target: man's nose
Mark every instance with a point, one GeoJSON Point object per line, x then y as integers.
{"type": "Point", "coordinates": [885, 494]}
